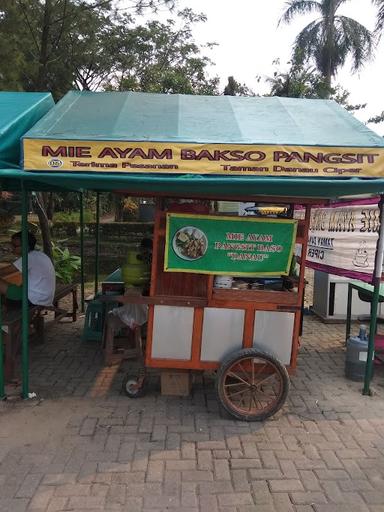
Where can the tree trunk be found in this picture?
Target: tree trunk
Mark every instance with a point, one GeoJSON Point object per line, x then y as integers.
{"type": "Point", "coordinates": [118, 208]}
{"type": "Point", "coordinates": [50, 202]}
{"type": "Point", "coordinates": [39, 207]}
{"type": "Point", "coordinates": [41, 83]}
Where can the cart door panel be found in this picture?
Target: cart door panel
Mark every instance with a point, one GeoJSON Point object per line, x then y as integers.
{"type": "Point", "coordinates": [172, 332]}
{"type": "Point", "coordinates": [273, 332]}
{"type": "Point", "coordinates": [222, 333]}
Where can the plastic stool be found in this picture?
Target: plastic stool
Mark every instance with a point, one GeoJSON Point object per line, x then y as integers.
{"type": "Point", "coordinates": [94, 321]}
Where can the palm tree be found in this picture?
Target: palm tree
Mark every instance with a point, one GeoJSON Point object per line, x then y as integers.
{"type": "Point", "coordinates": [380, 15]}
{"type": "Point", "coordinates": [329, 39]}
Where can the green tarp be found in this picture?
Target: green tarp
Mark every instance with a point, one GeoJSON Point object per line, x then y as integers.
{"type": "Point", "coordinates": [132, 116]}
{"type": "Point", "coordinates": [19, 111]}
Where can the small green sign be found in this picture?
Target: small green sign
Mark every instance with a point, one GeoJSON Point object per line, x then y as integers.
{"type": "Point", "coordinates": [209, 244]}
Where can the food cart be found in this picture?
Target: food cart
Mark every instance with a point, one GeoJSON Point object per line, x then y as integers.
{"type": "Point", "coordinates": [190, 152]}
{"type": "Point", "coordinates": [246, 331]}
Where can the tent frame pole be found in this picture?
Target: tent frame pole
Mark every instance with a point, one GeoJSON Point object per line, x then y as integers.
{"type": "Point", "coordinates": [97, 242]}
{"type": "Point", "coordinates": [82, 299]}
{"type": "Point", "coordinates": [2, 390]}
{"type": "Point", "coordinates": [375, 301]}
{"type": "Point", "coordinates": [24, 305]}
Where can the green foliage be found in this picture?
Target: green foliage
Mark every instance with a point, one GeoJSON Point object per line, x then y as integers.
{"type": "Point", "coordinates": [376, 119]}
{"type": "Point", "coordinates": [302, 82]}
{"type": "Point", "coordinates": [161, 58]}
{"type": "Point", "coordinates": [298, 82]}
{"type": "Point", "coordinates": [71, 216]}
{"type": "Point", "coordinates": [58, 45]}
{"type": "Point", "coordinates": [66, 265]}
{"type": "Point", "coordinates": [234, 88]}
{"type": "Point", "coordinates": [379, 18]}
{"type": "Point", "coordinates": [330, 39]}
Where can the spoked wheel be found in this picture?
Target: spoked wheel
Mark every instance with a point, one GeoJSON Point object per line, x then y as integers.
{"type": "Point", "coordinates": [252, 385]}
{"type": "Point", "coordinates": [134, 387]}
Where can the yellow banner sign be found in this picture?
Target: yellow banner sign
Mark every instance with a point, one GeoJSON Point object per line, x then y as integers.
{"type": "Point", "coordinates": [227, 159]}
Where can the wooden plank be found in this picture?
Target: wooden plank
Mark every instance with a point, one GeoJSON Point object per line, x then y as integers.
{"type": "Point", "coordinates": [197, 335]}
{"type": "Point", "coordinates": [249, 323]}
{"type": "Point", "coordinates": [159, 300]}
{"type": "Point", "coordinates": [271, 296]}
{"type": "Point", "coordinates": [155, 249]}
{"type": "Point", "coordinates": [210, 286]}
{"type": "Point", "coordinates": [297, 322]}
{"type": "Point", "coordinates": [189, 365]}
{"type": "Point", "coordinates": [256, 306]}
{"type": "Point", "coordinates": [148, 345]}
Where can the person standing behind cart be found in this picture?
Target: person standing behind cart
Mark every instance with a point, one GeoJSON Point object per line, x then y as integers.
{"type": "Point", "coordinates": [41, 275]}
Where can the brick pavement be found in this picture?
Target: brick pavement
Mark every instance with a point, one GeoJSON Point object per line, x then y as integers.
{"type": "Point", "coordinates": [82, 446]}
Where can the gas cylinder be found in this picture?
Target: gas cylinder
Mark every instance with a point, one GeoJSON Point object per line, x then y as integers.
{"type": "Point", "coordinates": [135, 272]}
{"type": "Point", "coordinates": [356, 355]}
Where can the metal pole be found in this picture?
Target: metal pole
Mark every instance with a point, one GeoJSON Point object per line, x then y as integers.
{"type": "Point", "coordinates": [97, 256]}
{"type": "Point", "coordinates": [82, 250]}
{"type": "Point", "coordinates": [2, 391]}
{"type": "Point", "coordinates": [375, 301]}
{"type": "Point", "coordinates": [24, 307]}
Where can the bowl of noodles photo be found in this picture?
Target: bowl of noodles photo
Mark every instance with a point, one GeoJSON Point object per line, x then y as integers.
{"type": "Point", "coordinates": [190, 243]}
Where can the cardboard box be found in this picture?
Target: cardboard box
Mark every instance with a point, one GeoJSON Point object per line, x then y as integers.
{"type": "Point", "coordinates": [176, 382]}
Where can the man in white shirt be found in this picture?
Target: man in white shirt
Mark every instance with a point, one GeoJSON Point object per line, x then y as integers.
{"type": "Point", "coordinates": [41, 274]}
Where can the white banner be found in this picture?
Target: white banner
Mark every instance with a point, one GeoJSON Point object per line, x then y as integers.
{"type": "Point", "coordinates": [344, 237]}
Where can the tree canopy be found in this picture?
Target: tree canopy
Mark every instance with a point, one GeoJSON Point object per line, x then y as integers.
{"type": "Point", "coordinates": [58, 45]}
{"type": "Point", "coordinates": [331, 38]}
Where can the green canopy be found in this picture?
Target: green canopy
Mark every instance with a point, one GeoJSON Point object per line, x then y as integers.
{"type": "Point", "coordinates": [134, 116]}
{"type": "Point", "coordinates": [216, 146]}
{"type": "Point", "coordinates": [19, 111]}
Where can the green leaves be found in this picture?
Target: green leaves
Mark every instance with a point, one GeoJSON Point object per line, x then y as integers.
{"type": "Point", "coordinates": [58, 45]}
{"type": "Point", "coordinates": [66, 265]}
{"type": "Point", "coordinates": [330, 39]}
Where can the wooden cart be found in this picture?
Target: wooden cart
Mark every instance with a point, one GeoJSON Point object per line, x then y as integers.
{"type": "Point", "coordinates": [250, 337]}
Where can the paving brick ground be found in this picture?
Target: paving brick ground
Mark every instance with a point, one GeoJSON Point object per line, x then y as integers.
{"type": "Point", "coordinates": [82, 446]}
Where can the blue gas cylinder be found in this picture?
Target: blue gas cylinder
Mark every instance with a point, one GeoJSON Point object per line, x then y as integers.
{"type": "Point", "coordinates": [356, 356]}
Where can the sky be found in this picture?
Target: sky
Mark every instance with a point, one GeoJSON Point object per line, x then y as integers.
{"type": "Point", "coordinates": [249, 40]}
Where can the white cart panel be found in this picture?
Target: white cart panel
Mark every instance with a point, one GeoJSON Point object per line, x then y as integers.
{"type": "Point", "coordinates": [172, 332]}
{"type": "Point", "coordinates": [222, 333]}
{"type": "Point", "coordinates": [273, 332]}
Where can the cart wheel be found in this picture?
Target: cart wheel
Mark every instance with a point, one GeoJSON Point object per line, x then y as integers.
{"type": "Point", "coordinates": [252, 385]}
{"type": "Point", "coordinates": [132, 386]}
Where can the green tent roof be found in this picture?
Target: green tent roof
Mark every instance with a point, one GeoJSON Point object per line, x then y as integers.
{"type": "Point", "coordinates": [142, 117]}
{"type": "Point", "coordinates": [132, 116]}
{"type": "Point", "coordinates": [19, 111]}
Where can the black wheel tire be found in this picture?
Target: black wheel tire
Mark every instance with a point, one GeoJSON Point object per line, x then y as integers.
{"type": "Point", "coordinates": [244, 354]}
{"type": "Point", "coordinates": [130, 388]}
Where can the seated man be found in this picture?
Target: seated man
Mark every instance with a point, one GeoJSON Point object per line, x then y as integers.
{"type": "Point", "coordinates": [41, 291]}
{"type": "Point", "coordinates": [41, 275]}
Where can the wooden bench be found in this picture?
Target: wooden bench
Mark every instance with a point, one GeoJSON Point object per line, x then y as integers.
{"type": "Point", "coordinates": [12, 321]}
{"type": "Point", "coordinates": [62, 290]}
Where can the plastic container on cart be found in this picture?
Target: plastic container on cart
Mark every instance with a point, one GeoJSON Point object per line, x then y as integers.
{"type": "Point", "coordinates": [356, 355]}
